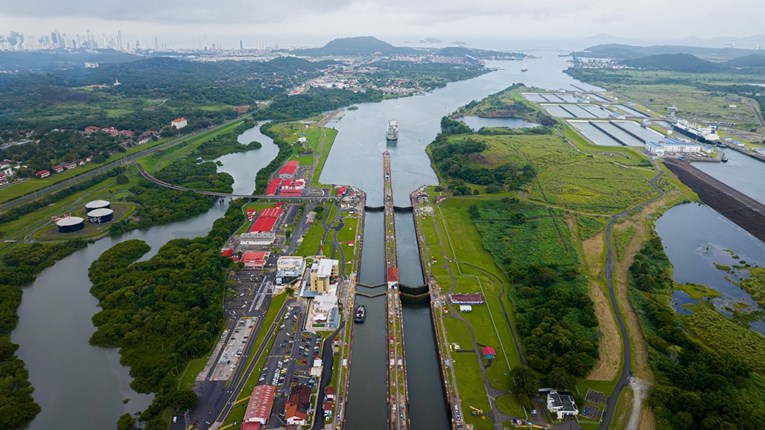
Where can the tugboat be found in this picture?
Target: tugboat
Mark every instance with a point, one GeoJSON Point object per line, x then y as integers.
{"type": "Point", "coordinates": [361, 314]}
{"type": "Point", "coordinates": [391, 131]}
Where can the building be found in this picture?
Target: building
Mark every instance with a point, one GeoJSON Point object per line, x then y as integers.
{"type": "Point", "coordinates": [289, 169]}
{"type": "Point", "coordinates": [70, 224]}
{"type": "Point", "coordinates": [289, 269]}
{"type": "Point", "coordinates": [671, 146]}
{"type": "Point", "coordinates": [562, 405]}
{"type": "Point", "coordinates": [323, 273]}
{"type": "Point", "coordinates": [296, 408]}
{"type": "Point", "coordinates": [92, 129]}
{"type": "Point", "coordinates": [392, 277]}
{"type": "Point", "coordinates": [488, 352]}
{"type": "Point", "coordinates": [273, 186]}
{"type": "Point", "coordinates": [259, 407]}
{"type": "Point", "coordinates": [58, 168]}
{"type": "Point", "coordinates": [262, 231]}
{"type": "Point", "coordinates": [255, 259]}
{"type": "Point", "coordinates": [42, 173]}
{"type": "Point", "coordinates": [99, 216]}
{"type": "Point", "coordinates": [466, 299]}
{"type": "Point", "coordinates": [466, 308]}
{"type": "Point", "coordinates": [179, 123]}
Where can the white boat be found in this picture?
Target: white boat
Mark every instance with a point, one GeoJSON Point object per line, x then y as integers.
{"type": "Point", "coordinates": [391, 131]}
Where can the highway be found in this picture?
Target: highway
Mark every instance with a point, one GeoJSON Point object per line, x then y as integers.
{"type": "Point", "coordinates": [106, 167]}
{"type": "Point", "coordinates": [398, 397]}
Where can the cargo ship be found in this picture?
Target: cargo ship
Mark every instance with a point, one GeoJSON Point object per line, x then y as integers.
{"type": "Point", "coordinates": [695, 131]}
{"type": "Point", "coordinates": [391, 131]}
{"type": "Point", "coordinates": [361, 314]}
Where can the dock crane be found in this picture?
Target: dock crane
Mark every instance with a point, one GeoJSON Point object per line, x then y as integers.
{"type": "Point", "coordinates": [475, 411]}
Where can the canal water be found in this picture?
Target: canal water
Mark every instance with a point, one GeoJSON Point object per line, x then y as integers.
{"type": "Point", "coordinates": [477, 122]}
{"type": "Point", "coordinates": [696, 238]}
{"type": "Point", "coordinates": [741, 172]}
{"type": "Point", "coordinates": [78, 385]}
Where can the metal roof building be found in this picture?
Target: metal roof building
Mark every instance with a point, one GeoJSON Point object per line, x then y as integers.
{"type": "Point", "coordinates": [98, 216]}
{"type": "Point", "coordinates": [97, 204]}
{"type": "Point", "coordinates": [259, 407]}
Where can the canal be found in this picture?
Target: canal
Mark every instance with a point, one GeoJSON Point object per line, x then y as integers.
{"type": "Point", "coordinates": [78, 385]}
{"type": "Point", "coordinates": [356, 159]}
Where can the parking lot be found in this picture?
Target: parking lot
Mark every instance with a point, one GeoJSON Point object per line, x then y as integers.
{"type": "Point", "coordinates": [233, 349]}
{"type": "Point", "coordinates": [290, 359]}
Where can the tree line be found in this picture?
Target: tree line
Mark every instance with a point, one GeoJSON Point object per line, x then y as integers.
{"type": "Point", "coordinates": [163, 312]}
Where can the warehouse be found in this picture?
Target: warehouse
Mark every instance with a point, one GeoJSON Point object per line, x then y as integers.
{"type": "Point", "coordinates": [289, 169]}
{"type": "Point", "coordinates": [259, 407]}
{"type": "Point", "coordinates": [255, 259]}
{"type": "Point", "coordinates": [261, 232]}
{"type": "Point", "coordinates": [99, 216]}
{"type": "Point", "coordinates": [70, 224]}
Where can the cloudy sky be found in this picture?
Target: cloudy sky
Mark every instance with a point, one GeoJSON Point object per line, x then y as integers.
{"type": "Point", "coordinates": [189, 23]}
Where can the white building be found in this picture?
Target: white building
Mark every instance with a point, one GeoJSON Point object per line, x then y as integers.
{"type": "Point", "coordinates": [671, 146]}
{"type": "Point", "coordinates": [561, 404]}
{"type": "Point", "coordinates": [257, 238]}
{"type": "Point", "coordinates": [289, 269]}
{"type": "Point", "coordinates": [179, 123]}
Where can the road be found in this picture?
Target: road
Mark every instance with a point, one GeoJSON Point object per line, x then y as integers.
{"type": "Point", "coordinates": [626, 373]}
{"type": "Point", "coordinates": [106, 167]}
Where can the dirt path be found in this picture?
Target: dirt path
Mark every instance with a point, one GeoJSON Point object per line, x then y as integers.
{"type": "Point", "coordinates": [640, 389]}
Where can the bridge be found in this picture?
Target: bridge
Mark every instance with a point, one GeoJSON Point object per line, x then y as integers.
{"type": "Point", "coordinates": [325, 195]}
{"type": "Point", "coordinates": [398, 397]}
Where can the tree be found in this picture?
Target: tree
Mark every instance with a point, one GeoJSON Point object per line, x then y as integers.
{"type": "Point", "coordinates": [126, 422]}
{"type": "Point", "coordinates": [525, 383]}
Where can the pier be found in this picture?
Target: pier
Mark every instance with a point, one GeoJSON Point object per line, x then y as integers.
{"type": "Point", "coordinates": [398, 397]}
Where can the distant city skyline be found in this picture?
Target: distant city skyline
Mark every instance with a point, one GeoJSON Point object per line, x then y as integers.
{"type": "Point", "coordinates": [196, 23]}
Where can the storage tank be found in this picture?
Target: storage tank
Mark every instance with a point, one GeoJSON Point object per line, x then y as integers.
{"type": "Point", "coordinates": [70, 224]}
{"type": "Point", "coordinates": [97, 204]}
{"type": "Point", "coordinates": [98, 216]}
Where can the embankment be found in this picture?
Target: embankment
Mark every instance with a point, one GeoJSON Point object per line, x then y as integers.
{"type": "Point", "coordinates": [743, 210]}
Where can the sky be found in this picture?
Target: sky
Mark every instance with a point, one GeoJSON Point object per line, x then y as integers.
{"type": "Point", "coordinates": [193, 23]}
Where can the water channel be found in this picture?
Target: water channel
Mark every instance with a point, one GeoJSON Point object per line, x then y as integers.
{"type": "Point", "coordinates": [77, 385]}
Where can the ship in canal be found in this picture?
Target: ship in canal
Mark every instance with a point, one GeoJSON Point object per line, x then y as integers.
{"type": "Point", "coordinates": [361, 314]}
{"type": "Point", "coordinates": [391, 131]}
{"type": "Point", "coordinates": [698, 132]}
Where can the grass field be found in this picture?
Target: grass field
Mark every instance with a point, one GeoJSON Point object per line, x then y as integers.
{"type": "Point", "coordinates": [315, 150]}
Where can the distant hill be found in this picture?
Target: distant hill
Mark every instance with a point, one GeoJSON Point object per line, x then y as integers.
{"type": "Point", "coordinates": [674, 62]}
{"type": "Point", "coordinates": [754, 60]}
{"type": "Point", "coordinates": [364, 45]}
{"type": "Point", "coordinates": [627, 52]}
{"type": "Point", "coordinates": [368, 45]}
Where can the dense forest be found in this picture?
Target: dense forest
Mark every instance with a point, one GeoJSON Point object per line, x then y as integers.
{"type": "Point", "coordinates": [698, 386]}
{"type": "Point", "coordinates": [452, 157]}
{"type": "Point", "coordinates": [555, 315]}
{"type": "Point", "coordinates": [163, 312]}
{"type": "Point", "coordinates": [314, 101]}
{"type": "Point", "coordinates": [227, 143]}
{"type": "Point", "coordinates": [19, 268]}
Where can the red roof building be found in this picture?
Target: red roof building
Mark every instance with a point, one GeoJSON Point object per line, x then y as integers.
{"type": "Point", "coordinates": [266, 220]}
{"type": "Point", "coordinates": [466, 299]}
{"type": "Point", "coordinates": [226, 252]}
{"type": "Point", "coordinates": [179, 123]}
{"type": "Point", "coordinates": [392, 274]}
{"type": "Point", "coordinates": [341, 191]}
{"type": "Point", "coordinates": [259, 407]}
{"type": "Point", "coordinates": [273, 186]}
{"type": "Point", "coordinates": [296, 408]}
{"type": "Point", "coordinates": [289, 169]}
{"type": "Point", "coordinates": [250, 214]}
{"type": "Point", "coordinates": [330, 393]}
{"type": "Point", "coordinates": [42, 173]}
{"type": "Point", "coordinates": [255, 259]}
{"type": "Point", "coordinates": [58, 168]}
{"type": "Point", "coordinates": [91, 129]}
{"type": "Point", "coordinates": [488, 352]}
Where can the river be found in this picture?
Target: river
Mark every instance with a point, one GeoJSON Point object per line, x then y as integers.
{"type": "Point", "coordinates": [78, 385]}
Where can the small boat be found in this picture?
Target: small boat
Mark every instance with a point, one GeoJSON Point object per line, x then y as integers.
{"type": "Point", "coordinates": [524, 70]}
{"type": "Point", "coordinates": [724, 159]}
{"type": "Point", "coordinates": [361, 314]}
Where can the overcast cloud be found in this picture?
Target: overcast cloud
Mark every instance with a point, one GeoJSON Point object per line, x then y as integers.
{"type": "Point", "coordinates": [186, 22]}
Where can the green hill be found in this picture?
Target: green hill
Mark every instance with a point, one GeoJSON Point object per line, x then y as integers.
{"type": "Point", "coordinates": [674, 62]}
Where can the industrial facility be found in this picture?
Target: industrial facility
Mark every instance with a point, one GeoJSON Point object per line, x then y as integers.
{"type": "Point", "coordinates": [100, 216]}
{"type": "Point", "coordinates": [70, 224]}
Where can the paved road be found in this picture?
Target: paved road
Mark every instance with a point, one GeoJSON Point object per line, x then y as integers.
{"type": "Point", "coordinates": [626, 373]}
{"type": "Point", "coordinates": [106, 167]}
